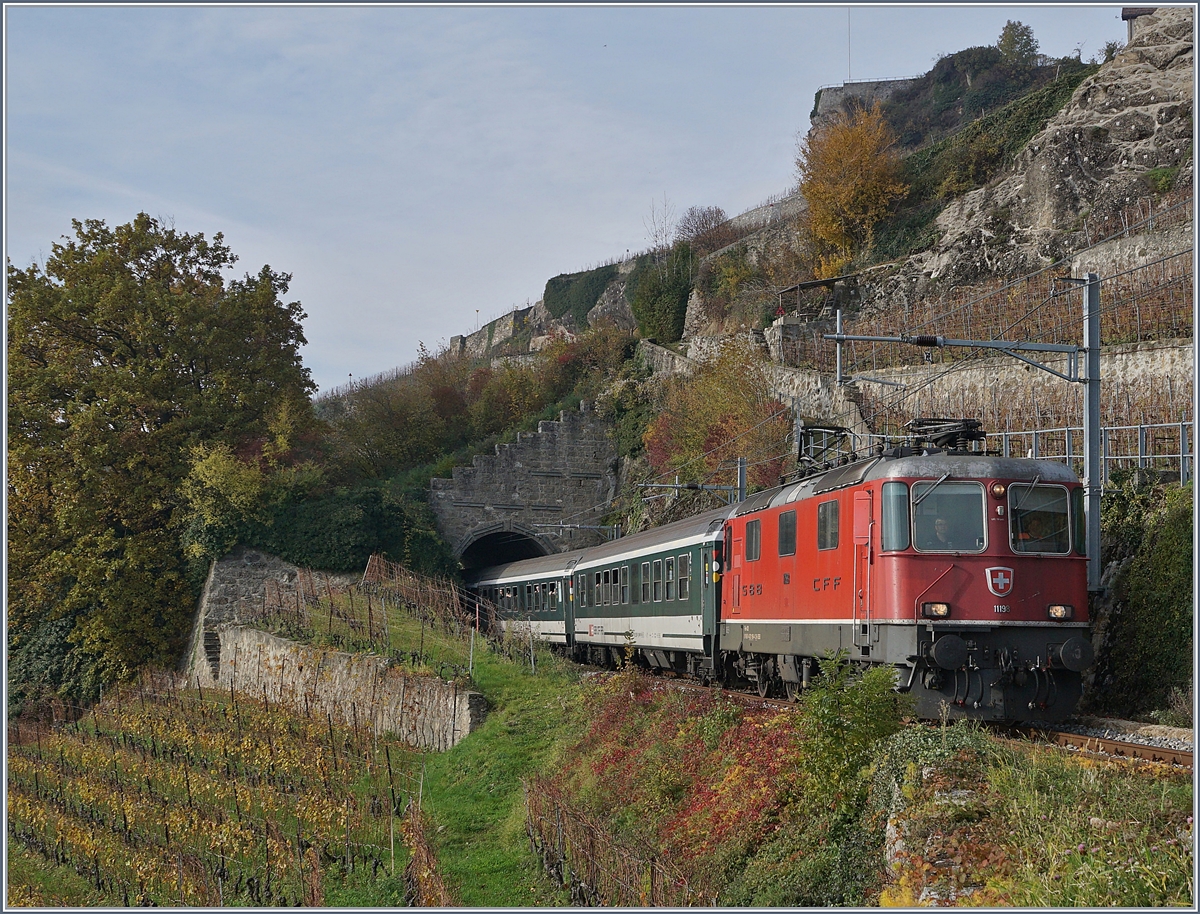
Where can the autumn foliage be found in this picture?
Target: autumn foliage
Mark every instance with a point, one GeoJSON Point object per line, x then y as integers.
{"type": "Point", "coordinates": [849, 176]}
{"type": "Point", "coordinates": [714, 787]}
{"type": "Point", "coordinates": [723, 411]}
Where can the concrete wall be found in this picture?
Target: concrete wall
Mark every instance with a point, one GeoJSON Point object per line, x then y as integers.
{"type": "Point", "coordinates": [478, 344]}
{"type": "Point", "coordinates": [236, 586]}
{"type": "Point", "coordinates": [1138, 364]}
{"type": "Point", "coordinates": [565, 471]}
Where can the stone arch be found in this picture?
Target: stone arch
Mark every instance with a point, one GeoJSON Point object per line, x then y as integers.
{"type": "Point", "coordinates": [500, 542]}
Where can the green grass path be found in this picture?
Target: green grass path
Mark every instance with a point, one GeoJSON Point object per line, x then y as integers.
{"type": "Point", "coordinates": [473, 792]}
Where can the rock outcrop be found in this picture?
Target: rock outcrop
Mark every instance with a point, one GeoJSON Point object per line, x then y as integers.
{"type": "Point", "coordinates": [1128, 119]}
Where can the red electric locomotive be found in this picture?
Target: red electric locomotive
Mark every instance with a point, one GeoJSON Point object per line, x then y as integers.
{"type": "Point", "coordinates": [965, 571]}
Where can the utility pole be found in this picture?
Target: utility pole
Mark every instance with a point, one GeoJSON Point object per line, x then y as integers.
{"type": "Point", "coordinates": [1092, 457]}
{"type": "Point", "coordinates": [1088, 374]}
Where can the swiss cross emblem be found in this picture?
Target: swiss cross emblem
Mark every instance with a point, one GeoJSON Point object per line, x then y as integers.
{"type": "Point", "coordinates": [1000, 581]}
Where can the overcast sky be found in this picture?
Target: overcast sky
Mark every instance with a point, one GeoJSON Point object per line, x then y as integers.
{"type": "Point", "coordinates": [422, 169]}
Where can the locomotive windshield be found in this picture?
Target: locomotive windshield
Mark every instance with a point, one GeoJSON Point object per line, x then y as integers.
{"type": "Point", "coordinates": [948, 516]}
{"type": "Point", "coordinates": [1038, 518]}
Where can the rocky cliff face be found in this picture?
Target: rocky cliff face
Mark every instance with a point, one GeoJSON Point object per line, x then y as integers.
{"type": "Point", "coordinates": [1124, 129]}
{"type": "Point", "coordinates": [1130, 118]}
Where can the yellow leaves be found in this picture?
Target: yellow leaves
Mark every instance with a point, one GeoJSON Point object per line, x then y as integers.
{"type": "Point", "coordinates": [219, 487]}
{"type": "Point", "coordinates": [849, 178]}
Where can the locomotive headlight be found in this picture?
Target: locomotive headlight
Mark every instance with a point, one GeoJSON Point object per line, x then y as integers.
{"type": "Point", "coordinates": [998, 489]}
{"type": "Point", "coordinates": [1060, 611]}
{"type": "Point", "coordinates": [935, 610]}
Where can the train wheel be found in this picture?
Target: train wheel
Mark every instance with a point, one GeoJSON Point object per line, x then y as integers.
{"type": "Point", "coordinates": [792, 689]}
{"type": "Point", "coordinates": [764, 683]}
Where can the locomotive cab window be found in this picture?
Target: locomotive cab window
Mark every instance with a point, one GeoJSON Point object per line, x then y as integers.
{"type": "Point", "coordinates": [827, 525]}
{"type": "Point", "coordinates": [948, 516]}
{"type": "Point", "coordinates": [896, 530]}
{"type": "Point", "coordinates": [1039, 519]}
{"type": "Point", "coordinates": [753, 540]}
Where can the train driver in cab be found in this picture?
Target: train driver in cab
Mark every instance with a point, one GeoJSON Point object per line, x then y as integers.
{"type": "Point", "coordinates": [937, 536]}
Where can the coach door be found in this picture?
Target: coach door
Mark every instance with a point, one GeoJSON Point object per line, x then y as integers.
{"type": "Point", "coordinates": [863, 522]}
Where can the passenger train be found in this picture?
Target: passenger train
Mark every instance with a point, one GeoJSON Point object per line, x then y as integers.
{"type": "Point", "coordinates": [963, 570]}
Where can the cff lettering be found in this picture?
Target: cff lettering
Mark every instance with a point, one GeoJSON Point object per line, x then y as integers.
{"type": "Point", "coordinates": [820, 584]}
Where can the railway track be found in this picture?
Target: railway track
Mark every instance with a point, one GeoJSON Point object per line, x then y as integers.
{"type": "Point", "coordinates": [1109, 747]}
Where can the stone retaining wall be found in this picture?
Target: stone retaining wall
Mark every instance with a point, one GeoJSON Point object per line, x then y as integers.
{"type": "Point", "coordinates": [357, 690]}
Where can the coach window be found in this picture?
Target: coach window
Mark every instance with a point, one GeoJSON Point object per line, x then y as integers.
{"type": "Point", "coordinates": [787, 533]}
{"type": "Point", "coordinates": [657, 580]}
{"type": "Point", "coordinates": [948, 516]}
{"type": "Point", "coordinates": [624, 584]}
{"type": "Point", "coordinates": [645, 582]}
{"type": "Point", "coordinates": [583, 594]}
{"type": "Point", "coordinates": [685, 568]}
{"type": "Point", "coordinates": [670, 569]}
{"type": "Point", "coordinates": [897, 533]}
{"type": "Point", "coordinates": [827, 525]}
{"type": "Point", "coordinates": [554, 594]}
{"type": "Point", "coordinates": [753, 541]}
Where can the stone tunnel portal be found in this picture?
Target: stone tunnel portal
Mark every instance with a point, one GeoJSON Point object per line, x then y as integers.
{"type": "Point", "coordinates": [500, 546]}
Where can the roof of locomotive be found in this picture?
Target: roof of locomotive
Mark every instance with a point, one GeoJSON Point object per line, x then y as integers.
{"type": "Point", "coordinates": [974, 466]}
{"type": "Point", "coordinates": [934, 464]}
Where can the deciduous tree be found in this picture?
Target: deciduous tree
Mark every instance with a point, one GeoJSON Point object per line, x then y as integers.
{"type": "Point", "coordinates": [848, 174]}
{"type": "Point", "coordinates": [1018, 48]}
{"type": "Point", "coordinates": [706, 229]}
{"type": "Point", "coordinates": [125, 351]}
{"type": "Point", "coordinates": [722, 412]}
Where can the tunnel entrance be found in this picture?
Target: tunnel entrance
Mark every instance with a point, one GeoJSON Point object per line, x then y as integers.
{"type": "Point", "coordinates": [496, 547]}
